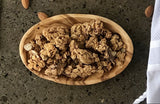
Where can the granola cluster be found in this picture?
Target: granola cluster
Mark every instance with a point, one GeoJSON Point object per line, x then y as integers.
{"type": "Point", "coordinates": [76, 52]}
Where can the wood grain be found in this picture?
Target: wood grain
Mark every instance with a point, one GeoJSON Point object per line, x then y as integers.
{"type": "Point", "coordinates": [69, 20]}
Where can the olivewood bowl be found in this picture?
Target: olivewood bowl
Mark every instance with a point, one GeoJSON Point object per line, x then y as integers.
{"type": "Point", "coordinates": [69, 20]}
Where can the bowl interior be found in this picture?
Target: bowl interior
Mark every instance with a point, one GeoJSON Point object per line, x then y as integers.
{"type": "Point", "coordinates": [69, 20]}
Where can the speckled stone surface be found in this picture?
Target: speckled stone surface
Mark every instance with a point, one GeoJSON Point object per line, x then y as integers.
{"type": "Point", "coordinates": [19, 86]}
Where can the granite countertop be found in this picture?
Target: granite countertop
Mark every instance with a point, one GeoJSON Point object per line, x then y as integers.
{"type": "Point", "coordinates": [19, 86]}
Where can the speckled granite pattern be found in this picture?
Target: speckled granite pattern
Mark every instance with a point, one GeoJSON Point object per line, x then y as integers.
{"type": "Point", "coordinates": [19, 86]}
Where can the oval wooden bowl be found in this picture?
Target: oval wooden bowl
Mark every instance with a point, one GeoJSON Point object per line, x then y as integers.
{"type": "Point", "coordinates": [69, 20]}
